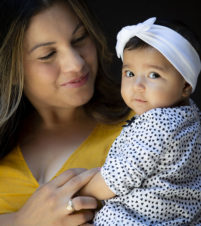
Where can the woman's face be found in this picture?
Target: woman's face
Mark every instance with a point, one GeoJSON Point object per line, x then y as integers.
{"type": "Point", "coordinates": [60, 60]}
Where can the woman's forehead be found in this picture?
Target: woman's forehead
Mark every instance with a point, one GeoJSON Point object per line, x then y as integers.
{"type": "Point", "coordinates": [59, 19]}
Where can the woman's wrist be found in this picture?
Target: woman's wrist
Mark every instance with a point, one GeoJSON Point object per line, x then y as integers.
{"type": "Point", "coordinates": [10, 219]}
{"type": "Point", "coordinates": [16, 219]}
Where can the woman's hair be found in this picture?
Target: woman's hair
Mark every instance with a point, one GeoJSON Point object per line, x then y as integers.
{"type": "Point", "coordinates": [106, 104]}
{"type": "Point", "coordinates": [175, 25]}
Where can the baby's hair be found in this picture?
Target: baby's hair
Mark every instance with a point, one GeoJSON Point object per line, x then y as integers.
{"type": "Point", "coordinates": [175, 25]}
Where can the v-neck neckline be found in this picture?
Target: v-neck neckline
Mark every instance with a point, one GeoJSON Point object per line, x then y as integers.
{"type": "Point", "coordinates": [66, 163]}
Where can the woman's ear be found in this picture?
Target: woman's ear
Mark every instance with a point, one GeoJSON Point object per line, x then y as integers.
{"type": "Point", "coordinates": [187, 90]}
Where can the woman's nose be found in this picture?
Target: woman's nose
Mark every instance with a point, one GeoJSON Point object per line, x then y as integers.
{"type": "Point", "coordinates": [72, 61]}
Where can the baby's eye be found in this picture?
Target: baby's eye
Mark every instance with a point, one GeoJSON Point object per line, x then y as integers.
{"type": "Point", "coordinates": [129, 74]}
{"type": "Point", "coordinates": [154, 75]}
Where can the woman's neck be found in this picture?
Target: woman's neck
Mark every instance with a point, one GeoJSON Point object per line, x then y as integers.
{"type": "Point", "coordinates": [51, 119]}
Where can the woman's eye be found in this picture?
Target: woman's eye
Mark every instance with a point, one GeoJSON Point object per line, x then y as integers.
{"type": "Point", "coordinates": [47, 56]}
{"type": "Point", "coordinates": [81, 38]}
{"type": "Point", "coordinates": [154, 75]}
{"type": "Point", "coordinates": [129, 74]}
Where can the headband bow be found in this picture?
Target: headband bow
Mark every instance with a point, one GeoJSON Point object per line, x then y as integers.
{"type": "Point", "coordinates": [130, 31]}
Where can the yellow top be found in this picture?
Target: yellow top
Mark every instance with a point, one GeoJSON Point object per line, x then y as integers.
{"type": "Point", "coordinates": [17, 183]}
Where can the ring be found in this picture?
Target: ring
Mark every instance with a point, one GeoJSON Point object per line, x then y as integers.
{"type": "Point", "coordinates": [69, 205]}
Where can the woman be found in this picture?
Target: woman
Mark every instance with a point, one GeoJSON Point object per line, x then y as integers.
{"type": "Point", "coordinates": [56, 98]}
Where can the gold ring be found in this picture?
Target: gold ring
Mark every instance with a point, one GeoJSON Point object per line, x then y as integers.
{"type": "Point", "coordinates": [69, 205]}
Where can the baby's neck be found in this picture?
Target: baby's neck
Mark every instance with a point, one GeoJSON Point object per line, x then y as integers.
{"type": "Point", "coordinates": [184, 102]}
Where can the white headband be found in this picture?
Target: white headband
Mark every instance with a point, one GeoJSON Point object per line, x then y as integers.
{"type": "Point", "coordinates": [174, 47]}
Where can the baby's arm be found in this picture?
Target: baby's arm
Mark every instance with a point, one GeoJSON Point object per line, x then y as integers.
{"type": "Point", "coordinates": [97, 188]}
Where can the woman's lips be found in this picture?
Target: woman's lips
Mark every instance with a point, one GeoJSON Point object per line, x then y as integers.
{"type": "Point", "coordinates": [78, 82]}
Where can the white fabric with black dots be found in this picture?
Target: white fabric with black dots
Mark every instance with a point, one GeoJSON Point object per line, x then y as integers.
{"type": "Point", "coordinates": [154, 169]}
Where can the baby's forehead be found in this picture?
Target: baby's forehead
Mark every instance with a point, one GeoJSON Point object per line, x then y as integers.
{"type": "Point", "coordinates": [148, 58]}
{"type": "Point", "coordinates": [146, 53]}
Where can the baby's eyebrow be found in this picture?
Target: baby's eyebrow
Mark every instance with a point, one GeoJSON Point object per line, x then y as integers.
{"type": "Point", "coordinates": [157, 67]}
{"type": "Point", "coordinates": [125, 66]}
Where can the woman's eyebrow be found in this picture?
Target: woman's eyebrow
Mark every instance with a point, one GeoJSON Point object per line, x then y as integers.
{"type": "Point", "coordinates": [51, 43]}
{"type": "Point", "coordinates": [40, 45]}
{"type": "Point", "coordinates": [77, 27]}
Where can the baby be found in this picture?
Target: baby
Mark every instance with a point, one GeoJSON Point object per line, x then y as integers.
{"type": "Point", "coordinates": [152, 175]}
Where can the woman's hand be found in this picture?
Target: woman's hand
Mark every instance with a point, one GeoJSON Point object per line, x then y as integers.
{"type": "Point", "coordinates": [47, 206]}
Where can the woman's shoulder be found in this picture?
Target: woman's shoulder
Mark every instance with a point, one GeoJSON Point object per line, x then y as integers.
{"type": "Point", "coordinates": [10, 157]}
{"type": "Point", "coordinates": [12, 167]}
{"type": "Point", "coordinates": [12, 162]}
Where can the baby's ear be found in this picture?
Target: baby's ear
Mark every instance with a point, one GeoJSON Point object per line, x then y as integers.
{"type": "Point", "coordinates": [187, 90]}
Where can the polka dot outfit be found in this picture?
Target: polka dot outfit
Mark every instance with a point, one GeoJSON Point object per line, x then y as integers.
{"type": "Point", "coordinates": [154, 168]}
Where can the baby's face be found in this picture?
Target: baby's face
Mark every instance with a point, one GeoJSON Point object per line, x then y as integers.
{"type": "Point", "coordinates": [150, 81]}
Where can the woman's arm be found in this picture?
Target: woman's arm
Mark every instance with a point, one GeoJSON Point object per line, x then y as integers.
{"type": "Point", "coordinates": [47, 206]}
{"type": "Point", "coordinates": [97, 188]}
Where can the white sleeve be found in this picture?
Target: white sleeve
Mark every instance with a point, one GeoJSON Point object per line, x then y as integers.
{"type": "Point", "coordinates": [136, 153]}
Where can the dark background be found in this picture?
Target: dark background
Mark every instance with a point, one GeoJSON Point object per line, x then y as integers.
{"type": "Point", "coordinates": [114, 14]}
